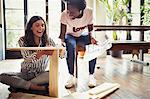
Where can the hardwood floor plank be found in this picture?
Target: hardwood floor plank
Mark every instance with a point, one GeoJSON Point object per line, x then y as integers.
{"type": "Point", "coordinates": [133, 78]}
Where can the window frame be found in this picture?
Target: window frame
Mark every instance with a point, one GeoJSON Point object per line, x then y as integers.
{"type": "Point", "coordinates": [8, 53]}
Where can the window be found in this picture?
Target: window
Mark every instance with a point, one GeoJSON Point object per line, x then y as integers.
{"type": "Point", "coordinates": [146, 19]}
{"type": "Point", "coordinates": [14, 15]}
{"type": "Point", "coordinates": [14, 18]}
{"type": "Point", "coordinates": [135, 11]}
{"type": "Point", "coordinates": [102, 17]}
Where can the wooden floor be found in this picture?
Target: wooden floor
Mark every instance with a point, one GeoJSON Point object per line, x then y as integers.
{"type": "Point", "coordinates": [134, 79]}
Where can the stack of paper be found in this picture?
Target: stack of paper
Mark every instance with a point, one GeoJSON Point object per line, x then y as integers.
{"type": "Point", "coordinates": [93, 51]}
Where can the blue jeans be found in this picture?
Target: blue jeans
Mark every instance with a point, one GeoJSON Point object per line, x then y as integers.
{"type": "Point", "coordinates": [71, 43]}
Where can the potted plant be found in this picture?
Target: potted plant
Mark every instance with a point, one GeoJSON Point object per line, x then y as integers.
{"type": "Point", "coordinates": [146, 11]}
{"type": "Point", "coordinates": [118, 15]}
{"type": "Point", "coordinates": [146, 17]}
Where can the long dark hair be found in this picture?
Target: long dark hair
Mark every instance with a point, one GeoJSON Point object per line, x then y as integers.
{"type": "Point", "coordinates": [29, 36]}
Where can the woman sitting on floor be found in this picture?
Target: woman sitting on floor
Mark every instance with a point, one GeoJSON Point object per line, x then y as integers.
{"type": "Point", "coordinates": [33, 74]}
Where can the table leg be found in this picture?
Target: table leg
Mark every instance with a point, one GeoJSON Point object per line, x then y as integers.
{"type": "Point", "coordinates": [141, 35]}
{"type": "Point", "coordinates": [141, 61]}
{"type": "Point", "coordinates": [141, 39]}
{"type": "Point", "coordinates": [53, 74]}
{"type": "Point", "coordinates": [141, 55]}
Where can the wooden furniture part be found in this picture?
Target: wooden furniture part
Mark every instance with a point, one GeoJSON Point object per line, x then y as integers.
{"type": "Point", "coordinates": [125, 28]}
{"type": "Point", "coordinates": [135, 52]}
{"type": "Point", "coordinates": [53, 67]}
{"type": "Point", "coordinates": [130, 45]}
{"type": "Point", "coordinates": [123, 45]}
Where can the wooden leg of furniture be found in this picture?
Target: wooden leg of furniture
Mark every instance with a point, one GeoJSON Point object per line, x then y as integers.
{"type": "Point", "coordinates": [141, 61]}
{"type": "Point", "coordinates": [141, 55]}
{"type": "Point", "coordinates": [53, 74]}
{"type": "Point", "coordinates": [135, 52]}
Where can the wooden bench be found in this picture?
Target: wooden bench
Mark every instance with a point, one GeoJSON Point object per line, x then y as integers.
{"type": "Point", "coordinates": [142, 46]}
{"type": "Point", "coordinates": [127, 45]}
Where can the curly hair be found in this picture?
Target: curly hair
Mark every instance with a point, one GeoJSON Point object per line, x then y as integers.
{"type": "Point", "coordinates": [80, 4]}
{"type": "Point", "coordinates": [29, 36]}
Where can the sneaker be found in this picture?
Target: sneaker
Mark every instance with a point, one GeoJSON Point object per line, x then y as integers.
{"type": "Point", "coordinates": [92, 81]}
{"type": "Point", "coordinates": [70, 83]}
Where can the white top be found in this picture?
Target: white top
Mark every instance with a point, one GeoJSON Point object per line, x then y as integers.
{"type": "Point", "coordinates": [76, 26]}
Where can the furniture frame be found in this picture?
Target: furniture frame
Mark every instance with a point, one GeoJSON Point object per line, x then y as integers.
{"type": "Point", "coordinates": [53, 66]}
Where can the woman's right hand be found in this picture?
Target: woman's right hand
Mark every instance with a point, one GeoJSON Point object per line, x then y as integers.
{"type": "Point", "coordinates": [39, 54]}
{"type": "Point", "coordinates": [63, 43]}
{"type": "Point", "coordinates": [48, 52]}
{"type": "Point", "coordinates": [43, 52]}
{"type": "Point", "coordinates": [93, 41]}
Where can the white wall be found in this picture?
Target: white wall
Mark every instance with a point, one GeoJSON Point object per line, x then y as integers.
{"type": "Point", "coordinates": [54, 19]}
{"type": "Point", "coordinates": [135, 9]}
{"type": "Point", "coordinates": [0, 13]}
{"type": "Point", "coordinates": [37, 8]}
{"type": "Point", "coordinates": [99, 15]}
{"type": "Point", "coordinates": [1, 47]}
{"type": "Point", "coordinates": [2, 55]}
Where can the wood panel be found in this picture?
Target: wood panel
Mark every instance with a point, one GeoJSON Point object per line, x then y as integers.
{"type": "Point", "coordinates": [121, 27]}
{"type": "Point", "coordinates": [130, 45]}
{"type": "Point", "coordinates": [53, 74]}
{"type": "Point", "coordinates": [35, 48]}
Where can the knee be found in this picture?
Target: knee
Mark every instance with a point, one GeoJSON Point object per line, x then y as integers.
{"type": "Point", "coordinates": [70, 46]}
{"type": "Point", "coordinates": [1, 76]}
{"type": "Point", "coordinates": [70, 43]}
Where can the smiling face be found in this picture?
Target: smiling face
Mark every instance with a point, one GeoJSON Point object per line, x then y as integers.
{"type": "Point", "coordinates": [38, 28]}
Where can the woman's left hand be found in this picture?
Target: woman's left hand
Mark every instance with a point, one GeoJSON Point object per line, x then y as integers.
{"type": "Point", "coordinates": [93, 41]}
{"type": "Point", "coordinates": [62, 53]}
{"type": "Point", "coordinates": [48, 52]}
